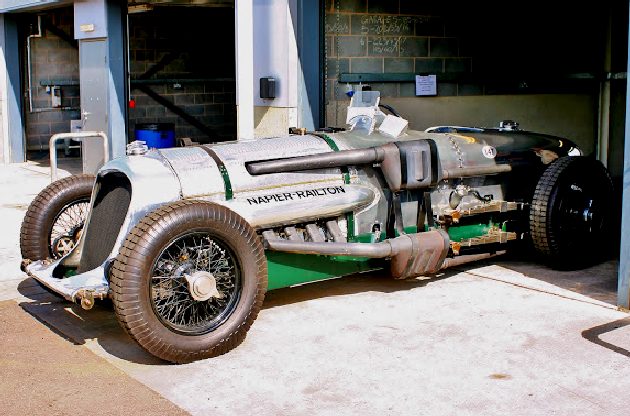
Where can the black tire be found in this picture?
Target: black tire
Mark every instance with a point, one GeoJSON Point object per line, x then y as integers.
{"type": "Point", "coordinates": [570, 215]}
{"type": "Point", "coordinates": [67, 195]}
{"type": "Point", "coordinates": [150, 275]}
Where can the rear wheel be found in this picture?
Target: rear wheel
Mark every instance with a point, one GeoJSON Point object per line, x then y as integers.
{"type": "Point", "coordinates": [189, 281]}
{"type": "Point", "coordinates": [570, 213]}
{"type": "Point", "coordinates": [54, 220]}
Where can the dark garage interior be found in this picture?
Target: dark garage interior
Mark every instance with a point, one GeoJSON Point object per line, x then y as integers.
{"type": "Point", "coordinates": [182, 71]}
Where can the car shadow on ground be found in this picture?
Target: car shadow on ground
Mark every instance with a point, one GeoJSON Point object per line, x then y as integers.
{"type": "Point", "coordinates": [377, 281]}
{"type": "Point", "coordinates": [598, 281]}
{"type": "Point", "coordinates": [78, 326]}
{"type": "Point", "coordinates": [99, 324]}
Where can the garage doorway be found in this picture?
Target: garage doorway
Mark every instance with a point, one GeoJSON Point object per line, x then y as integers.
{"type": "Point", "coordinates": [182, 71]}
{"type": "Point", "coordinates": [49, 57]}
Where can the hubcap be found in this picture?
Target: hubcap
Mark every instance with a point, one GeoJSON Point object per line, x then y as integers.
{"type": "Point", "coordinates": [202, 286]}
{"type": "Point", "coordinates": [580, 215]}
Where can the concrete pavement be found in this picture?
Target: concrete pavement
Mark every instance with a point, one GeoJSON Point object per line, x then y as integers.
{"type": "Point", "coordinates": [487, 339]}
{"type": "Point", "coordinates": [74, 382]}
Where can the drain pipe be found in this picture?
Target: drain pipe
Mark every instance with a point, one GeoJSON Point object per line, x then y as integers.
{"type": "Point", "coordinates": [29, 64]}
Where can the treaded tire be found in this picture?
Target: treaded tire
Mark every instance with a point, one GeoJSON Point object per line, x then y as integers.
{"type": "Point", "coordinates": [570, 214]}
{"type": "Point", "coordinates": [131, 279]}
{"type": "Point", "coordinates": [42, 212]}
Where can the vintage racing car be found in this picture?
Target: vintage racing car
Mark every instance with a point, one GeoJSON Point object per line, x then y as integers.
{"type": "Point", "coordinates": [186, 241]}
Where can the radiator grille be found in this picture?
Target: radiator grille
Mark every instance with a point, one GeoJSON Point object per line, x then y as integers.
{"type": "Point", "coordinates": [108, 214]}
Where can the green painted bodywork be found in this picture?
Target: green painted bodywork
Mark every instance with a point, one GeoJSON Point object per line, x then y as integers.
{"type": "Point", "coordinates": [287, 269]}
{"type": "Point", "coordinates": [331, 143]}
{"type": "Point", "coordinates": [226, 183]}
{"type": "Point", "coordinates": [461, 232]}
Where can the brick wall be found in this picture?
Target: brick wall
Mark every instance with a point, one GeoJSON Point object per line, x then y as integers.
{"type": "Point", "coordinates": [53, 59]}
{"type": "Point", "coordinates": [201, 45]}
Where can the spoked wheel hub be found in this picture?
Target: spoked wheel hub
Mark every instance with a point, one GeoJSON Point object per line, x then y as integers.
{"type": "Point", "coordinates": [64, 243]}
{"type": "Point", "coordinates": [67, 227]}
{"type": "Point", "coordinates": [203, 286]}
{"type": "Point", "coordinates": [196, 283]}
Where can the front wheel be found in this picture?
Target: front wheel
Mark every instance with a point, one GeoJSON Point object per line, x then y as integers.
{"type": "Point", "coordinates": [54, 220]}
{"type": "Point", "coordinates": [189, 281]}
{"type": "Point", "coordinates": [570, 214]}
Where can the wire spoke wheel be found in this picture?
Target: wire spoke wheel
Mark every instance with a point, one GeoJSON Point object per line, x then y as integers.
{"type": "Point", "coordinates": [189, 281]}
{"type": "Point", "coordinates": [54, 220]}
{"type": "Point", "coordinates": [67, 227]}
{"type": "Point", "coordinates": [171, 282]}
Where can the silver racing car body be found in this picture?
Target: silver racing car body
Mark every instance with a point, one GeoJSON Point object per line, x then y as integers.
{"type": "Point", "coordinates": [325, 204]}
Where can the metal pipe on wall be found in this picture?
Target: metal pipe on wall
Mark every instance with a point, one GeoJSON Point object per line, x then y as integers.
{"type": "Point", "coordinates": [603, 120]}
{"type": "Point", "coordinates": [29, 63]}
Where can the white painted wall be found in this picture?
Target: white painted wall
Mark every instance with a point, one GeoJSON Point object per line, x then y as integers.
{"type": "Point", "coordinates": [275, 51]}
{"type": "Point", "coordinates": [244, 72]}
{"type": "Point", "coordinates": [273, 54]}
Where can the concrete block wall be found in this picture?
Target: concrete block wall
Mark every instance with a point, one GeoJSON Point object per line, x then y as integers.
{"type": "Point", "coordinates": [390, 36]}
{"type": "Point", "coordinates": [472, 47]}
{"type": "Point", "coordinates": [481, 54]}
{"type": "Point", "coordinates": [55, 60]}
{"type": "Point", "coordinates": [200, 42]}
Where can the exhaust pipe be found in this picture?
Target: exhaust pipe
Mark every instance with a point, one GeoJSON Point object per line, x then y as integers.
{"type": "Point", "coordinates": [467, 258]}
{"type": "Point", "coordinates": [411, 254]}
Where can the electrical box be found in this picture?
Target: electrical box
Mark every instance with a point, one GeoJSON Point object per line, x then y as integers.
{"type": "Point", "coordinates": [55, 96]}
{"type": "Point", "coordinates": [267, 88]}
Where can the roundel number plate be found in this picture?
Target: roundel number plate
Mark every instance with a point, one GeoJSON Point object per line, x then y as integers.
{"type": "Point", "coordinates": [489, 152]}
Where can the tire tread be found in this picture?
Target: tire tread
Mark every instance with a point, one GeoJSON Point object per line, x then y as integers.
{"type": "Point", "coordinates": [125, 282]}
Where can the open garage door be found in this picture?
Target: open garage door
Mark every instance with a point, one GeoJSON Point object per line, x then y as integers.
{"type": "Point", "coordinates": [182, 71]}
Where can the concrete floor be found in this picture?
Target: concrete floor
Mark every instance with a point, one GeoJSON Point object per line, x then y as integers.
{"type": "Point", "coordinates": [74, 375]}
{"type": "Point", "coordinates": [502, 337]}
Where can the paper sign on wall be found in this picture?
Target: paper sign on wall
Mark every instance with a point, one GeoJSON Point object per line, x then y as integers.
{"type": "Point", "coordinates": [426, 85]}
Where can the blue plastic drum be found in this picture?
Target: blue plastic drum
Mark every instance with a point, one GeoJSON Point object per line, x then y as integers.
{"type": "Point", "coordinates": [156, 135]}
